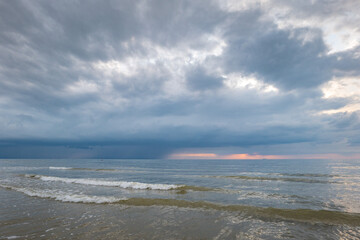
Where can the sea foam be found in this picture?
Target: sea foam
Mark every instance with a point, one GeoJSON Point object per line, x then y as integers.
{"type": "Point", "coordinates": [63, 196]}
{"type": "Point", "coordinates": [60, 168]}
{"type": "Point", "coordinates": [99, 182]}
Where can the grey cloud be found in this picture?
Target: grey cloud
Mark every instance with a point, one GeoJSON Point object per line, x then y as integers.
{"type": "Point", "coordinates": [85, 150]}
{"type": "Point", "coordinates": [318, 8]}
{"type": "Point", "coordinates": [348, 63]}
{"type": "Point", "coordinates": [140, 86]}
{"type": "Point", "coordinates": [198, 79]}
{"type": "Point", "coordinates": [346, 121]}
{"type": "Point", "coordinates": [279, 57]}
{"type": "Point", "coordinates": [172, 22]}
{"type": "Point", "coordinates": [49, 46]}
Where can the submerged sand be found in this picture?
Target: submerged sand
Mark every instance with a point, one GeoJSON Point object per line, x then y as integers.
{"type": "Point", "coordinates": [24, 217]}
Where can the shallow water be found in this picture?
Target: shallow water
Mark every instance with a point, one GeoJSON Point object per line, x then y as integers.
{"type": "Point", "coordinates": [172, 199]}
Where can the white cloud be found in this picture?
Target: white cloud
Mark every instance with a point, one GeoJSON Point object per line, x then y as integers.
{"type": "Point", "coordinates": [240, 81]}
{"type": "Point", "coordinates": [161, 61]}
{"type": "Point", "coordinates": [235, 5]}
{"type": "Point", "coordinates": [343, 88]}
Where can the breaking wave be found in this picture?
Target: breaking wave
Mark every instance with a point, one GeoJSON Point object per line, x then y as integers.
{"type": "Point", "coordinates": [99, 182]}
{"type": "Point", "coordinates": [302, 215]}
{"type": "Point", "coordinates": [63, 196]}
{"type": "Point", "coordinates": [60, 168]}
{"type": "Point", "coordinates": [83, 169]}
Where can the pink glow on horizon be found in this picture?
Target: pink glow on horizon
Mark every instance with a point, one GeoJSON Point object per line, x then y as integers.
{"type": "Point", "coordinates": [194, 155]}
{"type": "Point", "coordinates": [255, 156]}
{"type": "Point", "coordinates": [246, 156]}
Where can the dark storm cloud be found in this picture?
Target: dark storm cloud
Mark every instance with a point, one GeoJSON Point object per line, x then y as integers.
{"type": "Point", "coordinates": [349, 62]}
{"type": "Point", "coordinates": [153, 144]}
{"type": "Point", "coordinates": [281, 58]}
{"type": "Point", "coordinates": [83, 150]}
{"type": "Point", "coordinates": [146, 78]}
{"type": "Point", "coordinates": [84, 30]}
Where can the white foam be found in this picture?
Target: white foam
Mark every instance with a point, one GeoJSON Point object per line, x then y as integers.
{"type": "Point", "coordinates": [60, 168]}
{"type": "Point", "coordinates": [98, 182]}
{"type": "Point", "coordinates": [63, 196]}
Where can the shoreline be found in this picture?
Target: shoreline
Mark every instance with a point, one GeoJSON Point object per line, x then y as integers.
{"type": "Point", "coordinates": [33, 218]}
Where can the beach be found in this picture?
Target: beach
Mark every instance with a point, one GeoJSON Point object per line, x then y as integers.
{"type": "Point", "coordinates": [139, 199]}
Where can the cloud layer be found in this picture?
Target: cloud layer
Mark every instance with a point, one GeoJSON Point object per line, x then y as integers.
{"type": "Point", "coordinates": [152, 78]}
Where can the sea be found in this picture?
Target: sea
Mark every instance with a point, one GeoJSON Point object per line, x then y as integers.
{"type": "Point", "coordinates": [179, 199]}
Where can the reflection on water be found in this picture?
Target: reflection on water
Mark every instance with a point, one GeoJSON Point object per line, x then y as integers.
{"type": "Point", "coordinates": [348, 193]}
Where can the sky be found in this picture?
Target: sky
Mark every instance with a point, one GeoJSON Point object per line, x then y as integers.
{"type": "Point", "coordinates": [222, 79]}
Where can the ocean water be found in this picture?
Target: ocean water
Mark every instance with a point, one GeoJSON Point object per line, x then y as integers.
{"type": "Point", "coordinates": [179, 199]}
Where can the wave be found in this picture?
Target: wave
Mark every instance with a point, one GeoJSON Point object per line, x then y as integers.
{"type": "Point", "coordinates": [306, 215]}
{"type": "Point", "coordinates": [302, 215]}
{"type": "Point", "coordinates": [60, 168]}
{"type": "Point", "coordinates": [184, 188]}
{"type": "Point", "coordinates": [98, 182]}
{"type": "Point", "coordinates": [181, 189]}
{"type": "Point", "coordinates": [82, 169]}
{"type": "Point", "coordinates": [307, 175]}
{"type": "Point", "coordinates": [63, 196]}
{"type": "Point", "coordinates": [264, 195]}
{"type": "Point", "coordinates": [304, 180]}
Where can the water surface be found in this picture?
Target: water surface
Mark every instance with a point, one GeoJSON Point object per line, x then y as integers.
{"type": "Point", "coordinates": [244, 199]}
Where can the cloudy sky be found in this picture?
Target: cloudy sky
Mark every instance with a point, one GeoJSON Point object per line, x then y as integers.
{"type": "Point", "coordinates": [180, 79]}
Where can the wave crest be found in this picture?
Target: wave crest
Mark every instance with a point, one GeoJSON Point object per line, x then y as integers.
{"type": "Point", "coordinates": [84, 169]}
{"type": "Point", "coordinates": [63, 196]}
{"type": "Point", "coordinates": [99, 182]}
{"type": "Point", "coordinates": [302, 215]}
